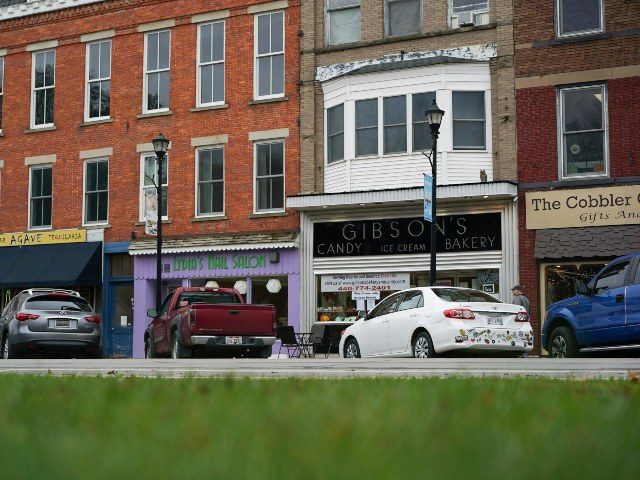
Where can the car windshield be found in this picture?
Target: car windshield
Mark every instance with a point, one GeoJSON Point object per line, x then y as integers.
{"type": "Point", "coordinates": [464, 295]}
{"type": "Point", "coordinates": [57, 302]}
{"type": "Point", "coordinates": [207, 297]}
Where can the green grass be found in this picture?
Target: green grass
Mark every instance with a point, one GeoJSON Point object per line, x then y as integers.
{"type": "Point", "coordinates": [112, 428]}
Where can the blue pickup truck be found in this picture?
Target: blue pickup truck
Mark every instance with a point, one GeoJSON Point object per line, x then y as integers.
{"type": "Point", "coordinates": [604, 315]}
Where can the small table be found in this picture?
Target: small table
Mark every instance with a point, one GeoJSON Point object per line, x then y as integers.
{"type": "Point", "coordinates": [317, 333]}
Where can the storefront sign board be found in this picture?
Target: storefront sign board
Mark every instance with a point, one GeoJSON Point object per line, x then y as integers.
{"type": "Point", "coordinates": [587, 207]}
{"type": "Point", "coordinates": [218, 262]}
{"type": "Point", "coordinates": [21, 239]}
{"type": "Point", "coordinates": [364, 282]}
{"type": "Point", "coordinates": [365, 295]}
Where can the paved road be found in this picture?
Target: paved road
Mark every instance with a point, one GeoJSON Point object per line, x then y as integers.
{"type": "Point", "coordinates": [332, 367]}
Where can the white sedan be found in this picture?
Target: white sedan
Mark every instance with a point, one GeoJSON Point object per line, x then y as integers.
{"type": "Point", "coordinates": [421, 322]}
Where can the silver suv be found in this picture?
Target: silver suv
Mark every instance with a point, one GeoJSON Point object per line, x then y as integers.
{"type": "Point", "coordinates": [45, 320]}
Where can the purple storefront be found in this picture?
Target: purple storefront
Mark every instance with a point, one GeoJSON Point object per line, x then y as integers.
{"type": "Point", "coordinates": [246, 263]}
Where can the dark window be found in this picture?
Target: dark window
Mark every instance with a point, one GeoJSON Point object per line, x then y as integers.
{"type": "Point", "coordinates": [343, 21]}
{"type": "Point", "coordinates": [206, 297]}
{"type": "Point", "coordinates": [637, 279]}
{"type": "Point", "coordinates": [421, 133]}
{"type": "Point", "coordinates": [388, 305]}
{"type": "Point", "coordinates": [157, 70]}
{"type": "Point", "coordinates": [97, 191]}
{"type": "Point", "coordinates": [211, 63]}
{"type": "Point", "coordinates": [411, 300]}
{"type": "Point", "coordinates": [99, 81]}
{"type": "Point", "coordinates": [579, 16]}
{"type": "Point", "coordinates": [270, 176]}
{"type": "Point", "coordinates": [210, 181]}
{"type": "Point", "coordinates": [469, 121]}
{"type": "Point", "coordinates": [463, 295]}
{"type": "Point", "coordinates": [403, 16]}
{"type": "Point", "coordinates": [121, 265]}
{"type": "Point", "coordinates": [335, 133]}
{"type": "Point", "coordinates": [41, 196]}
{"type": "Point", "coordinates": [270, 54]}
{"type": "Point", "coordinates": [612, 277]}
{"type": "Point", "coordinates": [395, 124]}
{"type": "Point", "coordinates": [43, 87]}
{"type": "Point", "coordinates": [57, 302]}
{"type": "Point", "coordinates": [1, 88]}
{"type": "Point", "coordinates": [367, 127]}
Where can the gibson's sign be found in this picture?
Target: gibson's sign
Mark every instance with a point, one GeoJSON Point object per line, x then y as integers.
{"type": "Point", "coordinates": [588, 207]}
{"type": "Point", "coordinates": [22, 239]}
{"type": "Point", "coordinates": [407, 236]}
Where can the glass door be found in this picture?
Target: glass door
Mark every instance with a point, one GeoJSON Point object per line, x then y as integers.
{"type": "Point", "coordinates": [122, 320]}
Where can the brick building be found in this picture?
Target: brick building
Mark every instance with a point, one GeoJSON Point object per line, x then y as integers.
{"type": "Point", "coordinates": [577, 69]}
{"type": "Point", "coordinates": [85, 86]}
{"type": "Point", "coordinates": [369, 70]}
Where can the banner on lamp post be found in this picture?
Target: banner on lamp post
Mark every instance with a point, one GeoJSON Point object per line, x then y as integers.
{"type": "Point", "coordinates": [428, 201]}
{"type": "Point", "coordinates": [151, 212]}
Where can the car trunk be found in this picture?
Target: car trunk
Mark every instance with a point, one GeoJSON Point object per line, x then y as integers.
{"type": "Point", "coordinates": [60, 321]}
{"type": "Point", "coordinates": [493, 315]}
{"type": "Point", "coordinates": [232, 319]}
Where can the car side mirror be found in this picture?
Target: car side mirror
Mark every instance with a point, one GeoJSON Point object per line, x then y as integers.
{"type": "Point", "coordinates": [582, 289]}
{"type": "Point", "coordinates": [152, 312]}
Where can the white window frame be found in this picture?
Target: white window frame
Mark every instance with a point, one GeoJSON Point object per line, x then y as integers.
{"type": "Point", "coordinates": [479, 11]}
{"type": "Point", "coordinates": [327, 22]}
{"type": "Point", "coordinates": [199, 65]}
{"type": "Point", "coordinates": [221, 214]}
{"type": "Point", "coordinates": [87, 85]}
{"type": "Point", "coordinates": [146, 73]}
{"type": "Point", "coordinates": [558, 21]}
{"type": "Point", "coordinates": [255, 177]}
{"type": "Point", "coordinates": [143, 155]}
{"type": "Point", "coordinates": [1, 92]}
{"type": "Point", "coordinates": [85, 222]}
{"type": "Point", "coordinates": [560, 132]}
{"type": "Point", "coordinates": [31, 169]}
{"type": "Point", "coordinates": [487, 120]}
{"type": "Point", "coordinates": [387, 17]}
{"type": "Point", "coordinates": [344, 133]}
{"type": "Point", "coordinates": [256, 56]}
{"type": "Point", "coordinates": [33, 87]}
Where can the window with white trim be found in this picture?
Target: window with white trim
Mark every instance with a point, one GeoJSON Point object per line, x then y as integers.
{"type": "Point", "coordinates": [210, 188]}
{"type": "Point", "coordinates": [421, 102]}
{"type": "Point", "coordinates": [149, 181]}
{"type": "Point", "coordinates": [469, 121]}
{"type": "Point", "coordinates": [40, 196]}
{"type": "Point", "coordinates": [96, 191]}
{"type": "Point", "coordinates": [269, 55]}
{"type": "Point", "coordinates": [367, 127]}
{"type": "Point", "coordinates": [43, 85]}
{"type": "Point", "coordinates": [211, 53]}
{"type": "Point", "coordinates": [463, 11]}
{"type": "Point", "coordinates": [156, 71]}
{"type": "Point", "coordinates": [579, 17]}
{"type": "Point", "coordinates": [342, 21]}
{"type": "Point", "coordinates": [395, 124]}
{"type": "Point", "coordinates": [335, 133]}
{"type": "Point", "coordinates": [1, 88]}
{"type": "Point", "coordinates": [269, 186]}
{"type": "Point", "coordinates": [98, 99]}
{"type": "Point", "coordinates": [583, 131]}
{"type": "Point", "coordinates": [403, 17]}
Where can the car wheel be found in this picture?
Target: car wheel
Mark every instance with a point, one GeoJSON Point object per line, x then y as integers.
{"type": "Point", "coordinates": [562, 343]}
{"type": "Point", "coordinates": [149, 351]}
{"type": "Point", "coordinates": [422, 346]}
{"type": "Point", "coordinates": [177, 350]}
{"type": "Point", "coordinates": [351, 349]}
{"type": "Point", "coordinates": [7, 351]}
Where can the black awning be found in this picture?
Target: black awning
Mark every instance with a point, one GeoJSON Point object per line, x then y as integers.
{"type": "Point", "coordinates": [58, 265]}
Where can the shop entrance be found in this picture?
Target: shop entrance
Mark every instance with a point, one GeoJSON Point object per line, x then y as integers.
{"type": "Point", "coordinates": [121, 320]}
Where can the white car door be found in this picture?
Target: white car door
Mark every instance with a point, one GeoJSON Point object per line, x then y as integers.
{"type": "Point", "coordinates": [374, 333]}
{"type": "Point", "coordinates": [403, 322]}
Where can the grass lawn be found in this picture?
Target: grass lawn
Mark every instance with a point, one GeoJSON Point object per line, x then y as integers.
{"type": "Point", "coordinates": [95, 428]}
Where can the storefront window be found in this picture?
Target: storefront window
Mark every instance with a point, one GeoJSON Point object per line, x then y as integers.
{"type": "Point", "coordinates": [560, 280]}
{"type": "Point", "coordinates": [275, 293]}
{"type": "Point", "coordinates": [229, 282]}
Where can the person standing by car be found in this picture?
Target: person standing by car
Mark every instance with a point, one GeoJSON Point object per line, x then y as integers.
{"type": "Point", "coordinates": [520, 299]}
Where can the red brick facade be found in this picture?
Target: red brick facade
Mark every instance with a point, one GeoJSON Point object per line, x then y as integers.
{"type": "Point", "coordinates": [544, 63]}
{"type": "Point", "coordinates": [128, 130]}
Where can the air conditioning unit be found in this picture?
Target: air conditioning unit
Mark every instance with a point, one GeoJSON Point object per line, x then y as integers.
{"type": "Point", "coordinates": [466, 19]}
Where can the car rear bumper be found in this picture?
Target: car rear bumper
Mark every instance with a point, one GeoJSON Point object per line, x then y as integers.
{"type": "Point", "coordinates": [453, 337]}
{"type": "Point", "coordinates": [220, 341]}
{"type": "Point", "coordinates": [36, 342]}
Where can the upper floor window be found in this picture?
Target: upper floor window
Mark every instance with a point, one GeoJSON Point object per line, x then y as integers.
{"type": "Point", "coordinates": [96, 191]}
{"type": "Point", "coordinates": [269, 53]}
{"type": "Point", "coordinates": [578, 17]}
{"type": "Point", "coordinates": [342, 21]}
{"type": "Point", "coordinates": [211, 63]}
{"type": "Point", "coordinates": [1, 88]}
{"type": "Point", "coordinates": [469, 121]}
{"type": "Point", "coordinates": [43, 85]}
{"type": "Point", "coordinates": [583, 131]}
{"type": "Point", "coordinates": [395, 124]}
{"type": "Point", "coordinates": [469, 12]}
{"type": "Point", "coordinates": [149, 182]}
{"type": "Point", "coordinates": [98, 80]}
{"type": "Point", "coordinates": [269, 189]}
{"type": "Point", "coordinates": [40, 196]}
{"type": "Point", "coordinates": [403, 17]}
{"type": "Point", "coordinates": [335, 133]}
{"type": "Point", "coordinates": [367, 127]}
{"type": "Point", "coordinates": [421, 102]}
{"type": "Point", "coordinates": [210, 189]}
{"type": "Point", "coordinates": [156, 71]}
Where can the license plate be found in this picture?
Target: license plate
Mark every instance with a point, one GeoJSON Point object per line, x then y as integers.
{"type": "Point", "coordinates": [233, 340]}
{"type": "Point", "coordinates": [63, 323]}
{"type": "Point", "coordinates": [494, 320]}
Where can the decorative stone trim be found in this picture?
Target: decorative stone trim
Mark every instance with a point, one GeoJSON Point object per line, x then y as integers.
{"type": "Point", "coordinates": [268, 134]}
{"type": "Point", "coordinates": [90, 37]}
{"type": "Point", "coordinates": [3, 52]}
{"type": "Point", "coordinates": [208, 17]}
{"type": "Point", "coordinates": [34, 47]}
{"type": "Point", "coordinates": [159, 25]}
{"type": "Point", "coordinates": [212, 140]}
{"type": "Point", "coordinates": [97, 153]}
{"type": "Point", "coordinates": [1, 164]}
{"type": "Point", "coordinates": [40, 160]}
{"type": "Point", "coordinates": [268, 6]}
{"type": "Point", "coordinates": [148, 147]}
{"type": "Point", "coordinates": [34, 7]}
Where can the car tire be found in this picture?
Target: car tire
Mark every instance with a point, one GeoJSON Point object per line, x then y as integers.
{"type": "Point", "coordinates": [149, 350]}
{"type": "Point", "coordinates": [562, 343]}
{"type": "Point", "coordinates": [177, 350]}
{"type": "Point", "coordinates": [351, 349]}
{"type": "Point", "coordinates": [422, 346]}
{"type": "Point", "coordinates": [5, 350]}
{"type": "Point", "coordinates": [265, 352]}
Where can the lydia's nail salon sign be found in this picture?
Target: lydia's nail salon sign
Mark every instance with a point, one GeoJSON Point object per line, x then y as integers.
{"type": "Point", "coordinates": [406, 236]}
{"type": "Point", "coordinates": [587, 207]}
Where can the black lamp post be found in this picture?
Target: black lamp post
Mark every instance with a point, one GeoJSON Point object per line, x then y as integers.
{"type": "Point", "coordinates": [160, 145]}
{"type": "Point", "coordinates": [434, 118]}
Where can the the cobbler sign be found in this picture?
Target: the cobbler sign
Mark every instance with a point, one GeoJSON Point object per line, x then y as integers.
{"type": "Point", "coordinates": [588, 207]}
{"type": "Point", "coordinates": [406, 236]}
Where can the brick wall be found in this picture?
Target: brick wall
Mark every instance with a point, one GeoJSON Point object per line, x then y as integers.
{"type": "Point", "coordinates": [126, 130]}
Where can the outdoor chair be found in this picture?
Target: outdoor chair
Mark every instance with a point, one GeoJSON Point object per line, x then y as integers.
{"type": "Point", "coordinates": [330, 339]}
{"type": "Point", "coordinates": [288, 339]}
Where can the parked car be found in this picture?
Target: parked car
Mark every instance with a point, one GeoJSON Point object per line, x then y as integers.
{"type": "Point", "coordinates": [604, 315]}
{"type": "Point", "coordinates": [422, 322]}
{"type": "Point", "coordinates": [50, 321]}
{"type": "Point", "coordinates": [213, 320]}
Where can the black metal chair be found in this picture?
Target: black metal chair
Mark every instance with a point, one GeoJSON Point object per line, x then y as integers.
{"type": "Point", "coordinates": [330, 338]}
{"type": "Point", "coordinates": [288, 339]}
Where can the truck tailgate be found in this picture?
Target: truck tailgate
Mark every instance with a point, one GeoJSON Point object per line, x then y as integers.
{"type": "Point", "coordinates": [232, 319]}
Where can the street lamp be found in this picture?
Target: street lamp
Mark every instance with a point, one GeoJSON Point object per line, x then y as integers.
{"type": "Point", "coordinates": [434, 118]}
{"type": "Point", "coordinates": [160, 145]}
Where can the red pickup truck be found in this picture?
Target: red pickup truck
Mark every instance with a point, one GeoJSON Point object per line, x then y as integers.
{"type": "Point", "coordinates": [210, 319]}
